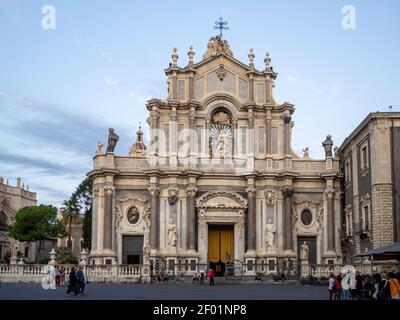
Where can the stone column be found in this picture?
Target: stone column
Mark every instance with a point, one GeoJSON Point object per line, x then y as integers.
{"type": "Point", "coordinates": [191, 218]}
{"type": "Point", "coordinates": [287, 217]}
{"type": "Point", "coordinates": [268, 119]}
{"type": "Point", "coordinates": [251, 87]}
{"type": "Point", "coordinates": [173, 138]}
{"type": "Point", "coordinates": [331, 220]}
{"type": "Point", "coordinates": [251, 218]}
{"type": "Point", "coordinates": [95, 215]}
{"type": "Point", "coordinates": [287, 119]}
{"type": "Point", "coordinates": [191, 85]}
{"type": "Point", "coordinates": [155, 218]}
{"type": "Point", "coordinates": [108, 214]}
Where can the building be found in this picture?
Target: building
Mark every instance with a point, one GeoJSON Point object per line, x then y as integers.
{"type": "Point", "coordinates": [370, 162]}
{"type": "Point", "coordinates": [219, 181]}
{"type": "Point", "coordinates": [76, 236]}
{"type": "Point", "coordinates": [13, 198]}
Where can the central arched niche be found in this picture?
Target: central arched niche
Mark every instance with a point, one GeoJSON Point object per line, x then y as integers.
{"type": "Point", "coordinates": [221, 134]}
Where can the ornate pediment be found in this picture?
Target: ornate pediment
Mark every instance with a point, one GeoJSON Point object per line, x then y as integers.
{"type": "Point", "coordinates": [221, 200]}
{"type": "Point", "coordinates": [217, 45]}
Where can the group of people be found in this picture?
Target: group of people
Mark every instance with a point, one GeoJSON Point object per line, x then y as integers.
{"type": "Point", "coordinates": [60, 276]}
{"type": "Point", "coordinates": [358, 287]}
{"type": "Point", "coordinates": [77, 281]}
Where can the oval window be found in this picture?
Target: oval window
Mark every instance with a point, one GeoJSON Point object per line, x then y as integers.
{"type": "Point", "coordinates": [306, 217]}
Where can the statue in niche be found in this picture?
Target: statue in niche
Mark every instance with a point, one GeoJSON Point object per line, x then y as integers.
{"type": "Point", "coordinates": [112, 140]}
{"type": "Point", "coordinates": [304, 251]}
{"type": "Point", "coordinates": [172, 233]}
{"type": "Point", "coordinates": [270, 230]}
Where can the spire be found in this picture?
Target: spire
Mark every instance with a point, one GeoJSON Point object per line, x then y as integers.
{"type": "Point", "coordinates": [267, 61]}
{"type": "Point", "coordinates": [251, 58]}
{"type": "Point", "coordinates": [139, 134]}
{"type": "Point", "coordinates": [191, 55]}
{"type": "Point", "coordinates": [138, 147]}
{"type": "Point", "coordinates": [175, 58]}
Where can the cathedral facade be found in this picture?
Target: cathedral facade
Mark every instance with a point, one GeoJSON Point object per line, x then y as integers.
{"type": "Point", "coordinates": [219, 181]}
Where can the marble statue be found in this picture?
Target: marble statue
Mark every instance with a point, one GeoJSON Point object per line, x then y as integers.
{"type": "Point", "coordinates": [270, 233]}
{"type": "Point", "coordinates": [304, 251]}
{"type": "Point", "coordinates": [112, 140]}
{"type": "Point", "coordinates": [306, 153]}
{"type": "Point", "coordinates": [172, 232]}
{"type": "Point", "coordinates": [99, 148]}
{"type": "Point", "coordinates": [327, 144]}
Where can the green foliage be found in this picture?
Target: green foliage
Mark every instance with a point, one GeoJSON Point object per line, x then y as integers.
{"type": "Point", "coordinates": [64, 255]}
{"type": "Point", "coordinates": [80, 203]}
{"type": "Point", "coordinates": [44, 260]}
{"type": "Point", "coordinates": [34, 223]}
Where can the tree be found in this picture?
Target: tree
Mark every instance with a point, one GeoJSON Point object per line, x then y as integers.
{"type": "Point", "coordinates": [35, 223]}
{"type": "Point", "coordinates": [70, 211]}
{"type": "Point", "coordinates": [65, 255]}
{"type": "Point", "coordinates": [84, 195]}
{"type": "Point", "coordinates": [80, 203]}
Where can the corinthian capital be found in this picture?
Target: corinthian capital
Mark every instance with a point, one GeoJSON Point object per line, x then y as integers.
{"type": "Point", "coordinates": [251, 191]}
{"type": "Point", "coordinates": [191, 191]}
{"type": "Point", "coordinates": [330, 192]}
{"type": "Point", "coordinates": [154, 190]}
{"type": "Point", "coordinates": [287, 192]}
{"type": "Point", "coordinates": [109, 189]}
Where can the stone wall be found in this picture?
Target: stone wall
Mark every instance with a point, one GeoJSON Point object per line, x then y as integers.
{"type": "Point", "coordinates": [382, 216]}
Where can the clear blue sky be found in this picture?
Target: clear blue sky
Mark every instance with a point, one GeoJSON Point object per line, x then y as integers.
{"type": "Point", "coordinates": [61, 89]}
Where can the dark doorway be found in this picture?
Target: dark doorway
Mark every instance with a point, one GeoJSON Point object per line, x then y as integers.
{"type": "Point", "coordinates": [220, 247]}
{"type": "Point", "coordinates": [132, 249]}
{"type": "Point", "coordinates": [312, 245]}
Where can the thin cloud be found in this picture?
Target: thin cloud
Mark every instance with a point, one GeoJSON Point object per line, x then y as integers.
{"type": "Point", "coordinates": [111, 82]}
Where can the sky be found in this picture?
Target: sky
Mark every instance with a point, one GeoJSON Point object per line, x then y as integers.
{"type": "Point", "coordinates": [62, 88]}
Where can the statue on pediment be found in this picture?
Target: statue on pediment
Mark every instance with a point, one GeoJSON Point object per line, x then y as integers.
{"type": "Point", "coordinates": [216, 45]}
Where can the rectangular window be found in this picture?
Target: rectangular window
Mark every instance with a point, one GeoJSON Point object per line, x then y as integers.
{"type": "Point", "coordinates": [365, 218]}
{"type": "Point", "coordinates": [274, 140]}
{"type": "Point", "coordinates": [347, 171]}
{"type": "Point", "coordinates": [261, 140]}
{"type": "Point", "coordinates": [243, 141]}
{"type": "Point", "coordinates": [364, 164]}
{"type": "Point", "coordinates": [181, 89]}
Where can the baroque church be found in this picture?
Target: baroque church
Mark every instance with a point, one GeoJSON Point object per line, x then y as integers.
{"type": "Point", "coordinates": [219, 181]}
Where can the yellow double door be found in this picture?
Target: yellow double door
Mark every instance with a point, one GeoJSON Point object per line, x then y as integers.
{"type": "Point", "coordinates": [220, 243]}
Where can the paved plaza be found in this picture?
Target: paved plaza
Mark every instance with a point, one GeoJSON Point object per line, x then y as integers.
{"type": "Point", "coordinates": [170, 291]}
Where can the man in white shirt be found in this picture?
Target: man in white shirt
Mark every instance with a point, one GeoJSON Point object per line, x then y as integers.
{"type": "Point", "coordinates": [331, 286]}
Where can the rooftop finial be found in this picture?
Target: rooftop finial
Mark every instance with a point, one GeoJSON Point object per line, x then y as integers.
{"type": "Point", "coordinates": [18, 182]}
{"type": "Point", "coordinates": [1, 180]}
{"type": "Point", "coordinates": [221, 25]}
{"type": "Point", "coordinates": [251, 58]}
{"type": "Point", "coordinates": [191, 55]}
{"type": "Point", "coordinates": [267, 61]}
{"type": "Point", "coordinates": [175, 58]}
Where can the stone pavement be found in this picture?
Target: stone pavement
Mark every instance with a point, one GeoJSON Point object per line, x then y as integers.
{"type": "Point", "coordinates": [168, 291]}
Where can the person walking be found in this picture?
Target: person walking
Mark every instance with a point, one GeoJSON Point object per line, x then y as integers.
{"type": "Point", "coordinates": [62, 276]}
{"type": "Point", "coordinates": [57, 271]}
{"type": "Point", "coordinates": [73, 282]}
{"type": "Point", "coordinates": [211, 275]}
{"type": "Point", "coordinates": [394, 287]}
{"type": "Point", "coordinates": [331, 286]}
{"type": "Point", "coordinates": [338, 287]}
{"type": "Point", "coordinates": [81, 280]}
{"type": "Point", "coordinates": [359, 285]}
{"type": "Point", "coordinates": [346, 286]}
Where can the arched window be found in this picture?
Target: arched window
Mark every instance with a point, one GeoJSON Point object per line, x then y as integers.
{"type": "Point", "coordinates": [221, 137]}
{"type": "Point", "coordinates": [3, 221]}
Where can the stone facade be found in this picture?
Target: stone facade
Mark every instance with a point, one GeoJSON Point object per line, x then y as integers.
{"type": "Point", "coordinates": [13, 198]}
{"type": "Point", "coordinates": [370, 166]}
{"type": "Point", "coordinates": [219, 155]}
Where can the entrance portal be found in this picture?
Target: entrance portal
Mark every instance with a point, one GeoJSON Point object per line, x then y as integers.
{"type": "Point", "coordinates": [132, 249]}
{"type": "Point", "coordinates": [220, 247]}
